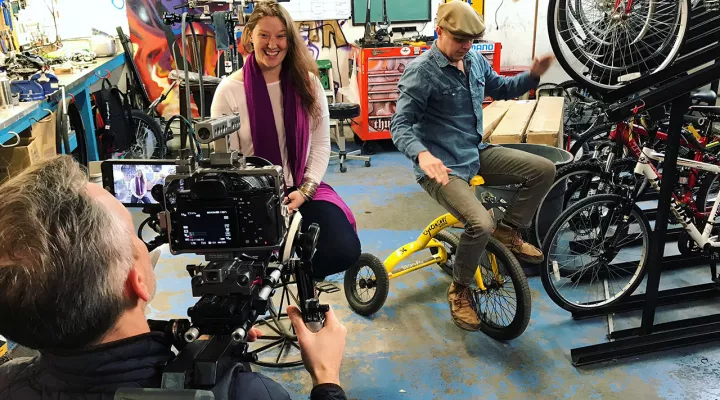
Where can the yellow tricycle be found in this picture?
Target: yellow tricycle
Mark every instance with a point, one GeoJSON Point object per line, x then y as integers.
{"type": "Point", "coordinates": [501, 297]}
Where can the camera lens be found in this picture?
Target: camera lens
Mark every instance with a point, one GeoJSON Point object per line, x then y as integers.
{"type": "Point", "coordinates": [204, 134]}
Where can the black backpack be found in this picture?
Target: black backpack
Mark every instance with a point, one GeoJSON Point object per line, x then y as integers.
{"type": "Point", "coordinates": [115, 129]}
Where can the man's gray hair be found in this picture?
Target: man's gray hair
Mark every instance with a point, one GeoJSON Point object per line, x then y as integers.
{"type": "Point", "coordinates": [64, 258]}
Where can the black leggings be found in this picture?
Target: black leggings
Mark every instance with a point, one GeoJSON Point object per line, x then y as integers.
{"type": "Point", "coordinates": [338, 246]}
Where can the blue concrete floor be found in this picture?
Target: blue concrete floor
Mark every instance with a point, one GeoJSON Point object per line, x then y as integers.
{"type": "Point", "coordinates": [411, 349]}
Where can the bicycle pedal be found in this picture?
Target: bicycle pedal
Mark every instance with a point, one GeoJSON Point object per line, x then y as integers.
{"type": "Point", "coordinates": [327, 287]}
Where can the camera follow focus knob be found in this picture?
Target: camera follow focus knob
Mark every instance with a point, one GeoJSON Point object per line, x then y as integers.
{"type": "Point", "coordinates": [157, 193]}
{"type": "Point", "coordinates": [191, 335]}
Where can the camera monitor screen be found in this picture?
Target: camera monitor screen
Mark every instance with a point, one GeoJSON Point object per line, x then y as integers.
{"type": "Point", "coordinates": [133, 182]}
{"type": "Point", "coordinates": [206, 228]}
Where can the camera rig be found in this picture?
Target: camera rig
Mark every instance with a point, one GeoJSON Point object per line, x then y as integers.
{"type": "Point", "coordinates": [230, 209]}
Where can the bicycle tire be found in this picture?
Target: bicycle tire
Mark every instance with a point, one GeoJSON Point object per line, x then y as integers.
{"type": "Point", "coordinates": [576, 168]}
{"type": "Point", "coordinates": [382, 285]}
{"type": "Point", "coordinates": [76, 124]}
{"type": "Point", "coordinates": [453, 241]}
{"type": "Point", "coordinates": [520, 285]}
{"type": "Point", "coordinates": [589, 168]}
{"type": "Point", "coordinates": [701, 198]}
{"type": "Point", "coordinates": [582, 142]}
{"type": "Point", "coordinates": [545, 274]}
{"type": "Point", "coordinates": [523, 310]}
{"type": "Point", "coordinates": [554, 26]}
{"type": "Point", "coordinates": [137, 117]}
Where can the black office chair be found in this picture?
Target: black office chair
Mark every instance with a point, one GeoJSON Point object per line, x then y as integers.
{"type": "Point", "coordinates": [342, 112]}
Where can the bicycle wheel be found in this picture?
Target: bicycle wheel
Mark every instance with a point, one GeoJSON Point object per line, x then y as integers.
{"type": "Point", "coordinates": [601, 44]}
{"type": "Point", "coordinates": [592, 144]}
{"type": "Point", "coordinates": [614, 263]}
{"type": "Point", "coordinates": [451, 242]}
{"type": "Point", "coordinates": [504, 307]}
{"type": "Point", "coordinates": [366, 292]}
{"type": "Point", "coordinates": [499, 320]}
{"type": "Point", "coordinates": [149, 141]}
{"type": "Point", "coordinates": [584, 179]}
{"type": "Point", "coordinates": [707, 193]}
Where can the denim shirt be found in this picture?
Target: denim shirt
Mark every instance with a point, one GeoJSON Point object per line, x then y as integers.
{"type": "Point", "coordinates": [440, 109]}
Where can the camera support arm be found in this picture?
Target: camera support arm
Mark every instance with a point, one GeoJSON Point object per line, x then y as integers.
{"type": "Point", "coordinates": [203, 361]}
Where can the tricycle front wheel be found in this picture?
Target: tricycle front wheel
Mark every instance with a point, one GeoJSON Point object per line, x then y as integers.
{"type": "Point", "coordinates": [366, 285]}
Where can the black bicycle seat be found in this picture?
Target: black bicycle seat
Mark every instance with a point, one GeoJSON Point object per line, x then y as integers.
{"type": "Point", "coordinates": [705, 96]}
{"type": "Point", "coordinates": [344, 110]}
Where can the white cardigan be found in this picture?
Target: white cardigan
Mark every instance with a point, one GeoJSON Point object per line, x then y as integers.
{"type": "Point", "coordinates": [230, 98]}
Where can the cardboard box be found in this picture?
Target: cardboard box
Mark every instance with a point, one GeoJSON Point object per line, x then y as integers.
{"type": "Point", "coordinates": [513, 125]}
{"type": "Point", "coordinates": [43, 132]}
{"type": "Point", "coordinates": [15, 159]}
{"type": "Point", "coordinates": [492, 115]}
{"type": "Point", "coordinates": [546, 125]}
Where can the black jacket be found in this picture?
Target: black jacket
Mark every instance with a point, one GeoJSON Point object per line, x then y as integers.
{"type": "Point", "coordinates": [136, 362]}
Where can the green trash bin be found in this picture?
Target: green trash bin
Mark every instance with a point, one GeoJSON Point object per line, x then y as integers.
{"type": "Point", "coordinates": [552, 206]}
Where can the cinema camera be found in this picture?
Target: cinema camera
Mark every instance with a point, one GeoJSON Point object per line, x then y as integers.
{"type": "Point", "coordinates": [231, 209]}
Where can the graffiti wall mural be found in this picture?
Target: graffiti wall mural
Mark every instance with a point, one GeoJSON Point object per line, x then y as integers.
{"type": "Point", "coordinates": [154, 44]}
{"type": "Point", "coordinates": [158, 48]}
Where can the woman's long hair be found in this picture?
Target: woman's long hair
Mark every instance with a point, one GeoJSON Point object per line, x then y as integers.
{"type": "Point", "coordinates": [298, 60]}
{"type": "Point", "coordinates": [140, 178]}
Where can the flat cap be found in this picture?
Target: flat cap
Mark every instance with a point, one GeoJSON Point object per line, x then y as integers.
{"type": "Point", "coordinates": [460, 19]}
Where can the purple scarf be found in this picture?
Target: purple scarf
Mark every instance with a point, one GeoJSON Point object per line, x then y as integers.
{"type": "Point", "coordinates": [140, 185]}
{"type": "Point", "coordinates": [297, 129]}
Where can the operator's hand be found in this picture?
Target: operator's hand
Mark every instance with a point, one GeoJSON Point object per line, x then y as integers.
{"type": "Point", "coordinates": [541, 64]}
{"type": "Point", "coordinates": [254, 335]}
{"type": "Point", "coordinates": [434, 168]}
{"type": "Point", "coordinates": [321, 352]}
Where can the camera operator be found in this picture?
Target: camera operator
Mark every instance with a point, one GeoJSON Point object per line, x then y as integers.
{"type": "Point", "coordinates": [74, 284]}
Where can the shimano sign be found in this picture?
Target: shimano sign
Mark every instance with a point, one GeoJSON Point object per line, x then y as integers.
{"type": "Point", "coordinates": [484, 47]}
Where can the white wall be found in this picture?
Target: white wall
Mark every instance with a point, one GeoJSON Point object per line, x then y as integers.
{"type": "Point", "coordinates": [107, 15]}
{"type": "Point", "coordinates": [514, 29]}
{"type": "Point", "coordinates": [72, 23]}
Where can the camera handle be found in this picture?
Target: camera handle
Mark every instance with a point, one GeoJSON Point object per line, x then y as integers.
{"type": "Point", "coordinates": [304, 245]}
{"type": "Point", "coordinates": [203, 362]}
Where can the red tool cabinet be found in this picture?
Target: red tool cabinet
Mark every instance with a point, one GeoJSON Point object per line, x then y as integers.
{"type": "Point", "coordinates": [378, 72]}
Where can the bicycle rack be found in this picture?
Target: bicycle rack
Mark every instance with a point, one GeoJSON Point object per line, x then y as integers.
{"type": "Point", "coordinates": [671, 85]}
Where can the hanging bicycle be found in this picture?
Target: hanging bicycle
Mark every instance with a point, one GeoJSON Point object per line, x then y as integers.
{"type": "Point", "coordinates": [603, 44]}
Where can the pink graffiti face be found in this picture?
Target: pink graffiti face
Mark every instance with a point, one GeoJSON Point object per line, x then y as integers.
{"type": "Point", "coordinates": [153, 54]}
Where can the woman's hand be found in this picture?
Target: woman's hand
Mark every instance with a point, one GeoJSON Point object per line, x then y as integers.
{"type": "Point", "coordinates": [294, 200]}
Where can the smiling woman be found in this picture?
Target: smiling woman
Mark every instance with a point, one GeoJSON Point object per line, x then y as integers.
{"type": "Point", "coordinates": [284, 118]}
{"type": "Point", "coordinates": [270, 36]}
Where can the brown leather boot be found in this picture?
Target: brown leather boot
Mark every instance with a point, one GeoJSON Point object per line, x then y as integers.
{"type": "Point", "coordinates": [513, 241]}
{"type": "Point", "coordinates": [461, 309]}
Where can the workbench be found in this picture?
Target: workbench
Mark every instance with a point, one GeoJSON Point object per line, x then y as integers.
{"type": "Point", "coordinates": [22, 116]}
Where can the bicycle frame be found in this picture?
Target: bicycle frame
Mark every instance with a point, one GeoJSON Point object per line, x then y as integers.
{"type": "Point", "coordinates": [623, 133]}
{"type": "Point", "coordinates": [645, 168]}
{"type": "Point", "coordinates": [426, 240]}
